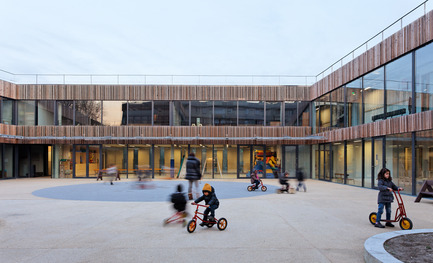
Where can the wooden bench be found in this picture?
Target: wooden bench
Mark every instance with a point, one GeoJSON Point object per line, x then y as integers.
{"type": "Point", "coordinates": [426, 190]}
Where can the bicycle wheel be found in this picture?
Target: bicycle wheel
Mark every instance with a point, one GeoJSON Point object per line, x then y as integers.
{"type": "Point", "coordinates": [372, 217]}
{"type": "Point", "coordinates": [191, 226]}
{"type": "Point", "coordinates": [249, 188]}
{"type": "Point", "coordinates": [264, 188]}
{"type": "Point", "coordinates": [222, 223]}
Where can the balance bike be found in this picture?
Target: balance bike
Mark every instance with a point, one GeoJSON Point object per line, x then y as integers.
{"type": "Point", "coordinates": [400, 214]}
{"type": "Point", "coordinates": [192, 224]}
{"type": "Point", "coordinates": [261, 186]}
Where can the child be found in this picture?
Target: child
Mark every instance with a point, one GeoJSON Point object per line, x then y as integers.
{"type": "Point", "coordinates": [385, 196]}
{"type": "Point", "coordinates": [300, 177]}
{"type": "Point", "coordinates": [283, 181]}
{"type": "Point", "coordinates": [211, 202]}
{"type": "Point", "coordinates": [255, 179]}
{"type": "Point", "coordinates": [179, 201]}
{"type": "Point", "coordinates": [112, 173]}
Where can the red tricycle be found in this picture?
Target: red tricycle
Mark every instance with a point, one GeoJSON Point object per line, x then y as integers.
{"type": "Point", "coordinates": [192, 224]}
{"type": "Point", "coordinates": [400, 214]}
{"type": "Point", "coordinates": [253, 187]}
{"type": "Point", "coordinates": [178, 217]}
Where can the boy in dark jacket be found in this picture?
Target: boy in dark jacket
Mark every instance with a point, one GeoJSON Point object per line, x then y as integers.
{"type": "Point", "coordinates": [211, 202]}
{"type": "Point", "coordinates": [283, 181]}
{"type": "Point", "coordinates": [385, 196]}
{"type": "Point", "coordinates": [178, 199]}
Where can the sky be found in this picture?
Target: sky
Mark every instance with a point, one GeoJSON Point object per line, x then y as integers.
{"type": "Point", "coordinates": [188, 37]}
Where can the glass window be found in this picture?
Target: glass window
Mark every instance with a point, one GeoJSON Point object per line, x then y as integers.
{"type": "Point", "coordinates": [87, 112]}
{"type": "Point", "coordinates": [7, 111]}
{"type": "Point", "coordinates": [65, 112]}
{"type": "Point", "coordinates": [374, 95]}
{"type": "Point", "coordinates": [244, 160]}
{"type": "Point", "coordinates": [399, 160]}
{"type": "Point", "coordinates": [46, 112]}
{"type": "Point", "coordinates": [26, 112]}
{"type": "Point", "coordinates": [337, 108]}
{"type": "Point", "coordinates": [304, 113]}
{"type": "Point", "coordinates": [323, 113]}
{"type": "Point", "coordinates": [161, 113]}
{"type": "Point", "coordinates": [273, 113]}
{"type": "Point", "coordinates": [8, 161]}
{"type": "Point", "coordinates": [354, 162]}
{"type": "Point", "coordinates": [181, 113]}
{"type": "Point", "coordinates": [225, 161]}
{"type": "Point", "coordinates": [399, 87]}
{"type": "Point", "coordinates": [201, 113]}
{"type": "Point", "coordinates": [424, 78]}
{"type": "Point", "coordinates": [290, 113]}
{"type": "Point", "coordinates": [140, 113]}
{"type": "Point", "coordinates": [251, 113]}
{"type": "Point", "coordinates": [290, 160]}
{"type": "Point", "coordinates": [354, 102]}
{"type": "Point", "coordinates": [204, 154]}
{"type": "Point", "coordinates": [111, 155]}
{"type": "Point", "coordinates": [338, 162]}
{"type": "Point", "coordinates": [114, 113]}
{"type": "Point", "coordinates": [424, 157]}
{"type": "Point", "coordinates": [225, 113]}
{"type": "Point", "coordinates": [304, 159]}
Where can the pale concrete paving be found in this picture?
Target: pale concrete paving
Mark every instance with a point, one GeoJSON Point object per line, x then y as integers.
{"type": "Point", "coordinates": [329, 223]}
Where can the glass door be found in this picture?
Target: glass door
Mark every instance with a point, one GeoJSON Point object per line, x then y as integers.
{"type": "Point", "coordinates": [86, 160]}
{"type": "Point", "coordinates": [244, 160]}
{"type": "Point", "coordinates": [325, 162]}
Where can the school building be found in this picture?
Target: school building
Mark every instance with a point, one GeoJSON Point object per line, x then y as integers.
{"type": "Point", "coordinates": [369, 110]}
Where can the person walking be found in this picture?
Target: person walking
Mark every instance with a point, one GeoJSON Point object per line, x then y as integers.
{"type": "Point", "coordinates": [193, 175]}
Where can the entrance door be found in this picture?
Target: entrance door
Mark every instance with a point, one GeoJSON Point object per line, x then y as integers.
{"type": "Point", "coordinates": [86, 160]}
{"type": "Point", "coordinates": [325, 162]}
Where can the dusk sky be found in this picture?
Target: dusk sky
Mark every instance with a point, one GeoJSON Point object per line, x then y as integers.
{"type": "Point", "coordinates": [188, 37]}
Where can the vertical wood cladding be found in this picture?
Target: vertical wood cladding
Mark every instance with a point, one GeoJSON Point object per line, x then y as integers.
{"type": "Point", "coordinates": [416, 34]}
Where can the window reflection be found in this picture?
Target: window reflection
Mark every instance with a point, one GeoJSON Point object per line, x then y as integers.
{"type": "Point", "coordinates": [424, 78]}
{"type": "Point", "coordinates": [140, 113]}
{"type": "Point", "coordinates": [399, 87]}
{"type": "Point", "coordinates": [114, 113]}
{"type": "Point", "coordinates": [201, 113]}
{"type": "Point", "coordinates": [225, 113]}
{"type": "Point", "coordinates": [373, 90]}
{"type": "Point", "coordinates": [251, 113]}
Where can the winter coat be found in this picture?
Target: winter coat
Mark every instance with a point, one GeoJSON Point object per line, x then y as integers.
{"type": "Point", "coordinates": [254, 177]}
{"type": "Point", "coordinates": [300, 175]}
{"type": "Point", "coordinates": [179, 201]}
{"type": "Point", "coordinates": [211, 198]}
{"type": "Point", "coordinates": [385, 196]}
{"type": "Point", "coordinates": [283, 179]}
{"type": "Point", "coordinates": [192, 169]}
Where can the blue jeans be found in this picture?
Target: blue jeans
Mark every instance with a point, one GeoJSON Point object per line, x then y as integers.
{"type": "Point", "coordinates": [387, 206]}
{"type": "Point", "coordinates": [210, 209]}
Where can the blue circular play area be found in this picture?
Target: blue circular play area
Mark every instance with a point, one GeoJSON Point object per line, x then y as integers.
{"type": "Point", "coordinates": [153, 191]}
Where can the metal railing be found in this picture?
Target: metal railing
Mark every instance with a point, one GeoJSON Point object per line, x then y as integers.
{"type": "Point", "coordinates": [379, 37]}
{"type": "Point", "coordinates": [137, 79]}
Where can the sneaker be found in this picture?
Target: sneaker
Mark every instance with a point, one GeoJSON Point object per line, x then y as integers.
{"type": "Point", "coordinates": [379, 225]}
{"type": "Point", "coordinates": [211, 219]}
{"type": "Point", "coordinates": [389, 224]}
{"type": "Point", "coordinates": [202, 224]}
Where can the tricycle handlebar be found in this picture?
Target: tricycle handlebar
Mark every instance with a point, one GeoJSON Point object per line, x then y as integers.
{"type": "Point", "coordinates": [198, 205]}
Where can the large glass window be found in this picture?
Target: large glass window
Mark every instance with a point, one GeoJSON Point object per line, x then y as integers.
{"type": "Point", "coordinates": [354, 162]}
{"type": "Point", "coordinates": [204, 154]}
{"type": "Point", "coordinates": [424, 78]}
{"type": "Point", "coordinates": [225, 113]}
{"type": "Point", "coordinates": [290, 113]}
{"type": "Point", "coordinates": [87, 112]}
{"type": "Point", "coordinates": [323, 113]}
{"type": "Point", "coordinates": [337, 108]}
{"type": "Point", "coordinates": [354, 102]}
{"type": "Point", "coordinates": [399, 87]}
{"type": "Point", "coordinates": [251, 113]}
{"type": "Point", "coordinates": [111, 155]}
{"type": "Point", "coordinates": [244, 160]}
{"type": "Point", "coordinates": [273, 113]}
{"type": "Point", "coordinates": [26, 112]}
{"type": "Point", "coordinates": [303, 113]}
{"type": "Point", "coordinates": [290, 160]}
{"type": "Point", "coordinates": [139, 160]}
{"type": "Point", "coordinates": [65, 112]}
{"type": "Point", "coordinates": [140, 113]}
{"type": "Point", "coordinates": [226, 161]}
{"type": "Point", "coordinates": [161, 113]}
{"type": "Point", "coordinates": [114, 113]}
{"type": "Point", "coordinates": [338, 162]}
{"type": "Point", "coordinates": [181, 113]}
{"type": "Point", "coordinates": [424, 157]}
{"type": "Point", "coordinates": [46, 110]}
{"type": "Point", "coordinates": [8, 161]}
{"type": "Point", "coordinates": [399, 160]}
{"type": "Point", "coordinates": [201, 113]}
{"type": "Point", "coordinates": [7, 111]}
{"type": "Point", "coordinates": [374, 95]}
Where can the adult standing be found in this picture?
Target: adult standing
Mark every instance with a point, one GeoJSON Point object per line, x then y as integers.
{"type": "Point", "coordinates": [193, 175]}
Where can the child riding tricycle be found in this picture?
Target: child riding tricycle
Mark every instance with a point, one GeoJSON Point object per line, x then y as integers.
{"type": "Point", "coordinates": [192, 224]}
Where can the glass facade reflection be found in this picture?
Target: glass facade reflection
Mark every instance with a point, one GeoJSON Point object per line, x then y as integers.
{"type": "Point", "coordinates": [251, 113]}
{"type": "Point", "coordinates": [424, 78]}
{"type": "Point", "coordinates": [114, 113]}
{"type": "Point", "coordinates": [225, 113]}
{"type": "Point", "coordinates": [201, 113]}
{"type": "Point", "coordinates": [373, 92]}
{"type": "Point", "coordinates": [26, 112]}
{"type": "Point", "coordinates": [181, 113]}
{"type": "Point", "coordinates": [273, 113]}
{"type": "Point", "coordinates": [46, 111]}
{"type": "Point", "coordinates": [399, 87]}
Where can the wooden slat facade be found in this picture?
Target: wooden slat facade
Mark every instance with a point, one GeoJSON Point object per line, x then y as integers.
{"type": "Point", "coordinates": [414, 35]}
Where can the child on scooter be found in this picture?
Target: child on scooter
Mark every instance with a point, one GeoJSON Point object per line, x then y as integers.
{"type": "Point", "coordinates": [211, 202]}
{"type": "Point", "coordinates": [283, 181]}
{"type": "Point", "coordinates": [385, 196]}
{"type": "Point", "coordinates": [179, 201]}
{"type": "Point", "coordinates": [255, 179]}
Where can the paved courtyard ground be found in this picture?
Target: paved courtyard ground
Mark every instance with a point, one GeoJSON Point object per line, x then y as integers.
{"type": "Point", "coordinates": [329, 223]}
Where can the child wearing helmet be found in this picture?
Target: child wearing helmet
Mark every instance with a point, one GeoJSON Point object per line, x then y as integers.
{"type": "Point", "coordinates": [211, 202]}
